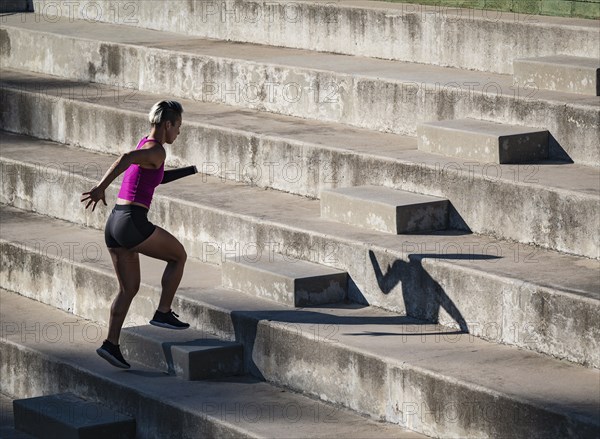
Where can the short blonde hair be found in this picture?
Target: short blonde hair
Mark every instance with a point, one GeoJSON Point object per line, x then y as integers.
{"type": "Point", "coordinates": [165, 110]}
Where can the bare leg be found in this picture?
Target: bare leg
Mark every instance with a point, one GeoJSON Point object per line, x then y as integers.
{"type": "Point", "coordinates": [164, 246]}
{"type": "Point", "coordinates": [127, 267]}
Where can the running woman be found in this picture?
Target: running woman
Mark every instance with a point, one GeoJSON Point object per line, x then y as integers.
{"type": "Point", "coordinates": [128, 231]}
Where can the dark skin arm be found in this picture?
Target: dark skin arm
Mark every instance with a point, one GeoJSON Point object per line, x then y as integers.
{"type": "Point", "coordinates": [151, 157]}
{"type": "Point", "coordinates": [176, 174]}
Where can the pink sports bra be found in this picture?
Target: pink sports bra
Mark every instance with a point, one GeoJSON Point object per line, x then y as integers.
{"type": "Point", "coordinates": [139, 183]}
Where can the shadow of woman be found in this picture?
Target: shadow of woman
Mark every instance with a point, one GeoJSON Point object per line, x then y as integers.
{"type": "Point", "coordinates": [423, 296]}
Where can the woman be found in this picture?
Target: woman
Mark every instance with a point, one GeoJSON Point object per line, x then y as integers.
{"type": "Point", "coordinates": [128, 231]}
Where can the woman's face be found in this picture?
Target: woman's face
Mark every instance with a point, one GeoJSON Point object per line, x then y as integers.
{"type": "Point", "coordinates": [173, 130]}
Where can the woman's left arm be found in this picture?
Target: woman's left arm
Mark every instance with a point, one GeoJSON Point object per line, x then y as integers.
{"type": "Point", "coordinates": [176, 174]}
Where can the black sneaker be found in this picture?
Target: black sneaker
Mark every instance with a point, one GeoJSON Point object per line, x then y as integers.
{"type": "Point", "coordinates": [111, 353]}
{"type": "Point", "coordinates": [168, 320]}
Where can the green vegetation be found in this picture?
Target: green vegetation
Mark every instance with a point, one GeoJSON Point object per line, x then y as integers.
{"type": "Point", "coordinates": [561, 8]}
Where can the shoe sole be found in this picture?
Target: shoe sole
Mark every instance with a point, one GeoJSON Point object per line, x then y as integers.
{"type": "Point", "coordinates": [167, 326]}
{"type": "Point", "coordinates": [112, 360]}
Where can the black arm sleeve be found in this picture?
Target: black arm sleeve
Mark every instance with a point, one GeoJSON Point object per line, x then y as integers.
{"type": "Point", "coordinates": [176, 174]}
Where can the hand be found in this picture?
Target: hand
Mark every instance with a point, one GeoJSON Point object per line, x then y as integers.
{"type": "Point", "coordinates": [95, 195]}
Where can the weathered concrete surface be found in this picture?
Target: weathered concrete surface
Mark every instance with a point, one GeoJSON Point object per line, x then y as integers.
{"type": "Point", "coordinates": [388, 366]}
{"type": "Point", "coordinates": [518, 295]}
{"type": "Point", "coordinates": [189, 354]}
{"type": "Point", "coordinates": [375, 94]}
{"type": "Point", "coordinates": [164, 406]}
{"type": "Point", "coordinates": [384, 209]}
{"type": "Point", "coordinates": [551, 205]}
{"type": "Point", "coordinates": [65, 415]}
{"type": "Point", "coordinates": [482, 141]}
{"type": "Point", "coordinates": [470, 39]}
{"type": "Point", "coordinates": [560, 73]}
{"type": "Point", "coordinates": [283, 279]}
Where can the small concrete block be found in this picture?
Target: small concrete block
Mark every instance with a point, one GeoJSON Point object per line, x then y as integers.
{"type": "Point", "coordinates": [570, 74]}
{"type": "Point", "coordinates": [189, 354]}
{"type": "Point", "coordinates": [385, 209]}
{"type": "Point", "coordinates": [483, 142]}
{"type": "Point", "coordinates": [7, 6]}
{"type": "Point", "coordinates": [66, 416]}
{"type": "Point", "coordinates": [286, 280]}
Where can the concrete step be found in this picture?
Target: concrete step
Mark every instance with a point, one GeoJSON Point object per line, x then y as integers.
{"type": "Point", "coordinates": [449, 277]}
{"type": "Point", "coordinates": [7, 420]}
{"type": "Point", "coordinates": [283, 279]}
{"type": "Point", "coordinates": [189, 354]}
{"type": "Point", "coordinates": [65, 415]}
{"type": "Point", "coordinates": [379, 95]}
{"type": "Point", "coordinates": [430, 378]}
{"type": "Point", "coordinates": [566, 73]}
{"type": "Point", "coordinates": [163, 405]}
{"type": "Point", "coordinates": [482, 141]}
{"type": "Point", "coordinates": [464, 38]}
{"type": "Point", "coordinates": [552, 205]}
{"type": "Point", "coordinates": [384, 209]}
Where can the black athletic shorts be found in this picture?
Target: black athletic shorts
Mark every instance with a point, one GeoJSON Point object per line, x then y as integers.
{"type": "Point", "coordinates": [127, 226]}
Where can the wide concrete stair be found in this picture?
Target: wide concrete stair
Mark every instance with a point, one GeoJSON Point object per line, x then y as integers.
{"type": "Point", "coordinates": [570, 74]}
{"type": "Point", "coordinates": [388, 366]}
{"type": "Point", "coordinates": [550, 204]}
{"type": "Point", "coordinates": [380, 95]}
{"type": "Point", "coordinates": [163, 405]}
{"type": "Point", "coordinates": [495, 289]}
{"type": "Point", "coordinates": [447, 36]}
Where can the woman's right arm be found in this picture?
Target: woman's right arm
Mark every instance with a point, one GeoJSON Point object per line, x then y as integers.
{"type": "Point", "coordinates": [149, 157]}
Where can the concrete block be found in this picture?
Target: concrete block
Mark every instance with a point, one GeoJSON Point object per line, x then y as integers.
{"type": "Point", "coordinates": [66, 416]}
{"type": "Point", "coordinates": [8, 6]}
{"type": "Point", "coordinates": [482, 141]}
{"type": "Point", "coordinates": [384, 209]}
{"type": "Point", "coordinates": [560, 73]}
{"type": "Point", "coordinates": [189, 354]}
{"type": "Point", "coordinates": [284, 279]}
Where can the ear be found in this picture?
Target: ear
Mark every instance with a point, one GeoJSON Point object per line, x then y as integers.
{"type": "Point", "coordinates": [168, 124]}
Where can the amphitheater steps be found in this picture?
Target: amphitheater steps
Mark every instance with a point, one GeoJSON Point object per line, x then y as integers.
{"type": "Point", "coordinates": [379, 95]}
{"type": "Point", "coordinates": [440, 35]}
{"type": "Point", "coordinates": [163, 405]}
{"type": "Point", "coordinates": [450, 276]}
{"type": "Point", "coordinates": [520, 392]}
{"type": "Point", "coordinates": [549, 204]}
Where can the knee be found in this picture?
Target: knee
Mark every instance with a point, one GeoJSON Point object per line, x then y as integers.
{"type": "Point", "coordinates": [180, 256]}
{"type": "Point", "coordinates": [124, 297]}
{"type": "Point", "coordinates": [131, 291]}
